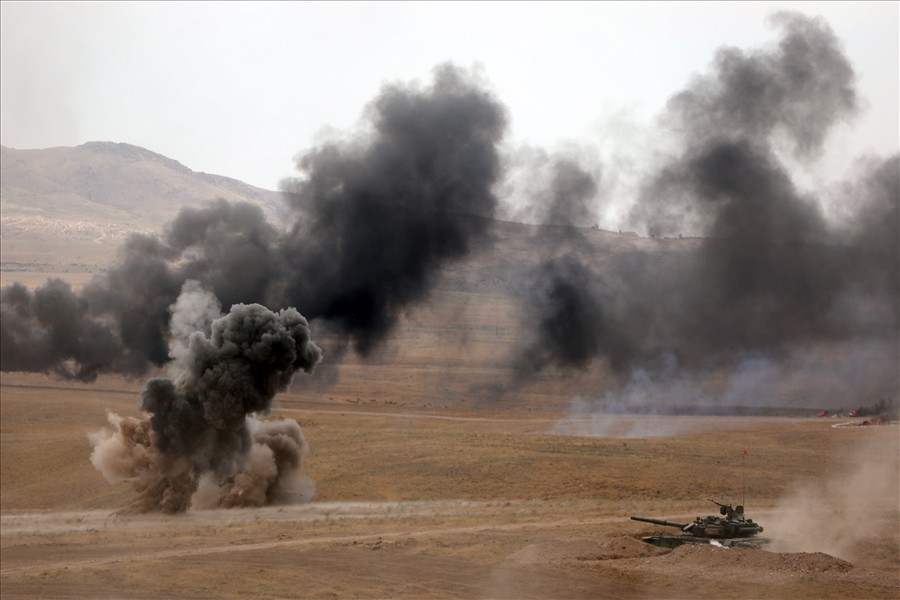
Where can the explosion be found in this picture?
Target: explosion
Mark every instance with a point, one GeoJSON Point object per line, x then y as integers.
{"type": "Point", "coordinates": [370, 224]}
{"type": "Point", "coordinates": [770, 289]}
{"type": "Point", "coordinates": [202, 437]}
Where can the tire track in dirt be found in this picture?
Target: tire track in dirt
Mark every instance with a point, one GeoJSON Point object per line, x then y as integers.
{"type": "Point", "coordinates": [71, 521]}
{"type": "Point", "coordinates": [269, 545]}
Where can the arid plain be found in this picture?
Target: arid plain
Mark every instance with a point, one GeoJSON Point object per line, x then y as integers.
{"type": "Point", "coordinates": [437, 477]}
{"type": "Point", "coordinates": [483, 502]}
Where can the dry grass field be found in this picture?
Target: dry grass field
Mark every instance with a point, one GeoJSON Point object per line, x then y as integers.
{"type": "Point", "coordinates": [474, 502]}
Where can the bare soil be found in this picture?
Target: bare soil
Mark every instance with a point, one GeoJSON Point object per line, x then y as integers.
{"type": "Point", "coordinates": [445, 502]}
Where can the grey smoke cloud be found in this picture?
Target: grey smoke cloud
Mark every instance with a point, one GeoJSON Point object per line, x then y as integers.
{"type": "Point", "coordinates": [387, 213]}
{"type": "Point", "coordinates": [751, 100]}
{"type": "Point", "coordinates": [552, 189]}
{"type": "Point", "coordinates": [49, 330]}
{"type": "Point", "coordinates": [567, 311]}
{"type": "Point", "coordinates": [800, 89]}
{"type": "Point", "coordinates": [373, 221]}
{"type": "Point", "coordinates": [377, 215]}
{"type": "Point", "coordinates": [201, 423]}
{"type": "Point", "coordinates": [770, 275]}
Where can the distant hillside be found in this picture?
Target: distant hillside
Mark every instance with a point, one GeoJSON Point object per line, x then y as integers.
{"type": "Point", "coordinates": [66, 210]}
{"type": "Point", "coordinates": [104, 190]}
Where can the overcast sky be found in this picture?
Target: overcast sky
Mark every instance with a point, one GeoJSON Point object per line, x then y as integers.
{"type": "Point", "coordinates": [238, 89]}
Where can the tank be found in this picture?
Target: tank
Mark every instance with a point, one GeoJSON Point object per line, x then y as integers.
{"type": "Point", "coordinates": [731, 528]}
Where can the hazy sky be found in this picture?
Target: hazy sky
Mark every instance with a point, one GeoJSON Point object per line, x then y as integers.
{"type": "Point", "coordinates": [238, 89]}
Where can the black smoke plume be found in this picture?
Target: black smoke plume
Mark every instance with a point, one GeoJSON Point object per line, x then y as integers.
{"type": "Point", "coordinates": [769, 280]}
{"type": "Point", "coordinates": [737, 117]}
{"type": "Point", "coordinates": [567, 316]}
{"type": "Point", "coordinates": [567, 310]}
{"type": "Point", "coordinates": [49, 330]}
{"type": "Point", "coordinates": [202, 424]}
{"type": "Point", "coordinates": [373, 220]}
{"type": "Point", "coordinates": [770, 272]}
{"type": "Point", "coordinates": [386, 214]}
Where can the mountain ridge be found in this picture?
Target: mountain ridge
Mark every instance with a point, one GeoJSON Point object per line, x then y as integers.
{"type": "Point", "coordinates": [110, 183]}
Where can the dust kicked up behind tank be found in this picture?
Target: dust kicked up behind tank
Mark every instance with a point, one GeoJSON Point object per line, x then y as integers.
{"type": "Point", "coordinates": [732, 528]}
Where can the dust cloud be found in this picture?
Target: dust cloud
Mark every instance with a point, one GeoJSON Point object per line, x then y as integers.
{"type": "Point", "coordinates": [201, 435]}
{"type": "Point", "coordinates": [856, 504]}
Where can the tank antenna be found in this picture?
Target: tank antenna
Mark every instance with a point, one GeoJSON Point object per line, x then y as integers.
{"type": "Point", "coordinates": [743, 475]}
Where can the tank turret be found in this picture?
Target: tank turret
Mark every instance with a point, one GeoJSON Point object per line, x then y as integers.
{"type": "Point", "coordinates": [732, 525]}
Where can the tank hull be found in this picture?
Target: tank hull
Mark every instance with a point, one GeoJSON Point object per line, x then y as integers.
{"type": "Point", "coordinates": [673, 541]}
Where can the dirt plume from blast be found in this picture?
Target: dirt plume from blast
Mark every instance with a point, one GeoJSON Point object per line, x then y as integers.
{"type": "Point", "coordinates": [843, 514]}
{"type": "Point", "coordinates": [201, 423]}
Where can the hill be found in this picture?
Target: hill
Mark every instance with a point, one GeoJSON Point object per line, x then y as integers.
{"type": "Point", "coordinates": [66, 210]}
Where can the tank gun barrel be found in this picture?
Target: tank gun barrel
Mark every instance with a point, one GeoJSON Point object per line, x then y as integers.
{"type": "Point", "coordinates": [661, 522]}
